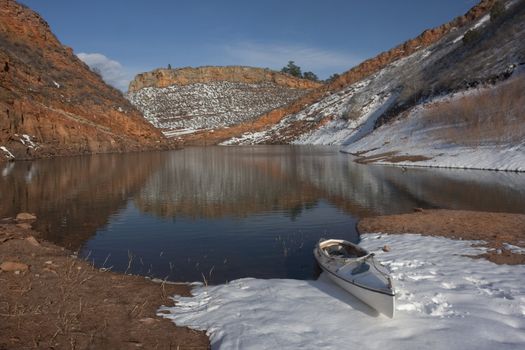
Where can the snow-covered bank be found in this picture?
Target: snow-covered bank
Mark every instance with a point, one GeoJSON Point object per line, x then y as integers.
{"type": "Point", "coordinates": [511, 158]}
{"type": "Point", "coordinates": [444, 301]}
{"type": "Point", "coordinates": [476, 129]}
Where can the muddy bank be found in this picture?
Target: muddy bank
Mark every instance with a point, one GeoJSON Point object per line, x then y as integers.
{"type": "Point", "coordinates": [49, 299]}
{"type": "Point", "coordinates": [498, 230]}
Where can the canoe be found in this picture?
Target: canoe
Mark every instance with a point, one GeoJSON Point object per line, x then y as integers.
{"type": "Point", "coordinates": [358, 272]}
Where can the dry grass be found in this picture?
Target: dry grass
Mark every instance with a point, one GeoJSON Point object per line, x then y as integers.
{"type": "Point", "coordinates": [61, 302]}
{"type": "Point", "coordinates": [492, 117]}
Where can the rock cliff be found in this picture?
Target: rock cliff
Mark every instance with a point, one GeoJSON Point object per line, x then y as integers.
{"type": "Point", "coordinates": [186, 100]}
{"type": "Point", "coordinates": [51, 103]}
{"type": "Point", "coordinates": [161, 78]}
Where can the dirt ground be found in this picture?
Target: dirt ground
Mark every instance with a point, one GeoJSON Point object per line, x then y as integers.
{"type": "Point", "coordinates": [51, 300]}
{"type": "Point", "coordinates": [494, 228]}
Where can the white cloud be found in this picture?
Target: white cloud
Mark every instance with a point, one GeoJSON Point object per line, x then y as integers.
{"type": "Point", "coordinates": [111, 71]}
{"type": "Point", "coordinates": [320, 61]}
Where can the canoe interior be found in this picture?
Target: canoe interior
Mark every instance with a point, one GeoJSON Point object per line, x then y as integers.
{"type": "Point", "coordinates": [338, 249]}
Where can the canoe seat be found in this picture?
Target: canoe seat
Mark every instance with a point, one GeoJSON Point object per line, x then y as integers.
{"type": "Point", "coordinates": [347, 252]}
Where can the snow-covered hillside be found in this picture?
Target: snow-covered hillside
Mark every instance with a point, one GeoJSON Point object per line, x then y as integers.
{"type": "Point", "coordinates": [480, 129]}
{"type": "Point", "coordinates": [215, 104]}
{"type": "Point", "coordinates": [448, 66]}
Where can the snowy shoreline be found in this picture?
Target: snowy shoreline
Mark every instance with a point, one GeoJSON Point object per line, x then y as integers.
{"type": "Point", "coordinates": [423, 164]}
{"type": "Point", "coordinates": [445, 300]}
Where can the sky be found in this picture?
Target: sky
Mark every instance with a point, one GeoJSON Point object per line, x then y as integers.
{"type": "Point", "coordinates": [122, 38]}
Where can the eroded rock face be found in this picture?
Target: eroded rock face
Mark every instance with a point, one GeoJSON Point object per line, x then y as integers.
{"type": "Point", "coordinates": [161, 78]}
{"type": "Point", "coordinates": [212, 97]}
{"type": "Point", "coordinates": [51, 103]}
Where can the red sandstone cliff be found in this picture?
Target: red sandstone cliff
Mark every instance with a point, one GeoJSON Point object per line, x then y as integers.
{"type": "Point", "coordinates": [48, 94]}
{"type": "Point", "coordinates": [238, 74]}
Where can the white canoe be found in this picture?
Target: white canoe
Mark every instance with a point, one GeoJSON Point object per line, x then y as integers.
{"type": "Point", "coordinates": [356, 270]}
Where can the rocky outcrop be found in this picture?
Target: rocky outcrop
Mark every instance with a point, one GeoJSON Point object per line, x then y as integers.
{"type": "Point", "coordinates": [161, 78]}
{"type": "Point", "coordinates": [187, 100]}
{"type": "Point", "coordinates": [51, 103]}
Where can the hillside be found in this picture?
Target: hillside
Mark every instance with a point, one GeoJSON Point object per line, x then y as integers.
{"type": "Point", "coordinates": [463, 61]}
{"type": "Point", "coordinates": [51, 103]}
{"type": "Point", "coordinates": [187, 100]}
{"type": "Point", "coordinates": [332, 105]}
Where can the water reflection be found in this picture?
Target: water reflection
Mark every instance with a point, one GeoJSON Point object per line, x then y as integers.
{"type": "Point", "coordinates": [226, 212]}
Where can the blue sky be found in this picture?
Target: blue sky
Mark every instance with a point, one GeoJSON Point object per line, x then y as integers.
{"type": "Point", "coordinates": [123, 38]}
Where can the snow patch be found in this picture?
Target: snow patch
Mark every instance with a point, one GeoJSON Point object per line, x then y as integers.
{"type": "Point", "coordinates": [514, 248]}
{"type": "Point", "coordinates": [7, 153]}
{"type": "Point", "coordinates": [26, 141]}
{"type": "Point", "coordinates": [444, 301]}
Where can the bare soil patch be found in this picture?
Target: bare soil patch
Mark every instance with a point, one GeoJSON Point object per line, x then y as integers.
{"type": "Point", "coordinates": [52, 300]}
{"type": "Point", "coordinates": [494, 228]}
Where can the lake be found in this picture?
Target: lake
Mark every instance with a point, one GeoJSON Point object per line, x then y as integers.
{"type": "Point", "coordinates": [221, 213]}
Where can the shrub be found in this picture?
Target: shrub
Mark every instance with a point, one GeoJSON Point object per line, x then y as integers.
{"type": "Point", "coordinates": [310, 76]}
{"type": "Point", "coordinates": [333, 77]}
{"type": "Point", "coordinates": [471, 36]}
{"type": "Point", "coordinates": [497, 10]}
{"type": "Point", "coordinates": [292, 69]}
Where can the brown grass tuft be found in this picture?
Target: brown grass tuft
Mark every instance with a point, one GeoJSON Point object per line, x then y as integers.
{"type": "Point", "coordinates": [492, 117]}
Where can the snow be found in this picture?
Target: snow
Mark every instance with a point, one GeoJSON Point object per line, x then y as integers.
{"type": "Point", "coordinates": [179, 132]}
{"type": "Point", "coordinates": [26, 141]}
{"type": "Point", "coordinates": [445, 300]}
{"type": "Point", "coordinates": [209, 105]}
{"type": "Point", "coordinates": [409, 136]}
{"type": "Point", "coordinates": [478, 24]}
{"type": "Point", "coordinates": [514, 249]}
{"type": "Point", "coordinates": [8, 154]}
{"type": "Point", "coordinates": [353, 110]}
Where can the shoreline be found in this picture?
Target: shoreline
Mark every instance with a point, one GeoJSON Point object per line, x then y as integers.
{"type": "Point", "coordinates": [51, 299]}
{"type": "Point", "coordinates": [503, 233]}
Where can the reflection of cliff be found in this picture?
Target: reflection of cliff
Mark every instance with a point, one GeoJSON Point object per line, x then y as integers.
{"type": "Point", "coordinates": [74, 196]}
{"type": "Point", "coordinates": [218, 182]}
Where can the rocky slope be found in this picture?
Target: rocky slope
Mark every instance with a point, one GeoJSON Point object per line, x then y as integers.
{"type": "Point", "coordinates": [437, 62]}
{"type": "Point", "coordinates": [51, 103]}
{"type": "Point", "coordinates": [186, 100]}
{"type": "Point", "coordinates": [456, 102]}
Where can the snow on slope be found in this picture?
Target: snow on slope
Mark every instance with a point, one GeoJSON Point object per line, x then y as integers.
{"type": "Point", "coordinates": [209, 105]}
{"type": "Point", "coordinates": [492, 139]}
{"type": "Point", "coordinates": [444, 301]}
{"type": "Point", "coordinates": [445, 66]}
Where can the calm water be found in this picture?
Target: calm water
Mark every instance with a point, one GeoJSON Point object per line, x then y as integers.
{"type": "Point", "coordinates": [229, 212]}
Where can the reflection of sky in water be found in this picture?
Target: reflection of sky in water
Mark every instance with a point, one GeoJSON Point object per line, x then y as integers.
{"type": "Point", "coordinates": [237, 211]}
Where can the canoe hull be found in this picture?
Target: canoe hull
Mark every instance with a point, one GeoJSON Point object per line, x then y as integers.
{"type": "Point", "coordinates": [381, 299]}
{"type": "Point", "coordinates": [381, 302]}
